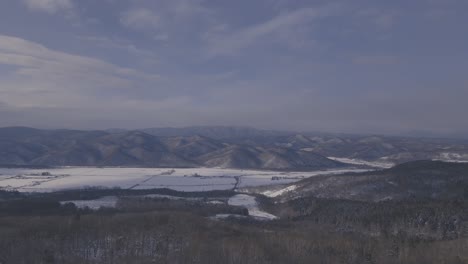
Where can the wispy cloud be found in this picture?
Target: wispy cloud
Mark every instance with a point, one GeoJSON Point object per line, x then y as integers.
{"type": "Point", "coordinates": [163, 18]}
{"type": "Point", "coordinates": [49, 6]}
{"type": "Point", "coordinates": [279, 27]}
{"type": "Point", "coordinates": [140, 19]}
{"type": "Point", "coordinates": [188, 62]}
{"type": "Point", "coordinates": [376, 60]}
{"type": "Point", "coordinates": [55, 77]}
{"type": "Point", "coordinates": [382, 19]}
{"type": "Point", "coordinates": [120, 44]}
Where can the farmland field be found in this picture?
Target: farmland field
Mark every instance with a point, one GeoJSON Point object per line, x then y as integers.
{"type": "Point", "coordinates": [190, 179]}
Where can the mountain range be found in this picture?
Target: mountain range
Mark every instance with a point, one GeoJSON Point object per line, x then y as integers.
{"type": "Point", "coordinates": [226, 147]}
{"type": "Point", "coordinates": [28, 146]}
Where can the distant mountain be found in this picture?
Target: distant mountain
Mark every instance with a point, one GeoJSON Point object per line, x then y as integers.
{"type": "Point", "coordinates": [123, 149]}
{"type": "Point", "coordinates": [85, 148]}
{"type": "Point", "coordinates": [371, 148]}
{"type": "Point", "coordinates": [215, 132]}
{"type": "Point", "coordinates": [266, 158]}
{"type": "Point", "coordinates": [17, 133]}
{"type": "Point", "coordinates": [192, 147]}
{"type": "Point", "coordinates": [236, 147]}
{"type": "Point", "coordinates": [24, 146]}
{"type": "Point", "coordinates": [413, 180]}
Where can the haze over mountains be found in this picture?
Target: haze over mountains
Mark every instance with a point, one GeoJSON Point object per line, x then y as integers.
{"type": "Point", "coordinates": [227, 147]}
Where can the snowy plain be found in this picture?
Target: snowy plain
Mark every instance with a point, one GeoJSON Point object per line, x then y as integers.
{"type": "Point", "coordinates": [186, 179]}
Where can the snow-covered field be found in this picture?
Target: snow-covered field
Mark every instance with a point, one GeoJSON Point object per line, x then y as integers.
{"type": "Point", "coordinates": [373, 164]}
{"type": "Point", "coordinates": [192, 179]}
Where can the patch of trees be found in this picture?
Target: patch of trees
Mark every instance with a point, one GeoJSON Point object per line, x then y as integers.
{"type": "Point", "coordinates": [94, 193]}
{"type": "Point", "coordinates": [27, 206]}
{"type": "Point", "coordinates": [180, 237]}
{"type": "Point", "coordinates": [428, 219]}
{"type": "Point", "coordinates": [9, 194]}
{"type": "Point", "coordinates": [38, 229]}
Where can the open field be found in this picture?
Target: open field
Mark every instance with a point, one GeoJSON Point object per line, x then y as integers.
{"type": "Point", "coordinates": [192, 179]}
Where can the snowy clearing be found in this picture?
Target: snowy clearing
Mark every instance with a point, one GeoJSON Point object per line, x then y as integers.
{"type": "Point", "coordinates": [250, 203]}
{"type": "Point", "coordinates": [280, 192]}
{"type": "Point", "coordinates": [107, 201]}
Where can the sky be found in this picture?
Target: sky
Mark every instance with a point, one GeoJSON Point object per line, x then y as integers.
{"type": "Point", "coordinates": [360, 66]}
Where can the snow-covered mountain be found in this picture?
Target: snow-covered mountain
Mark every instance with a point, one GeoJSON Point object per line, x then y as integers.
{"type": "Point", "coordinates": [26, 146]}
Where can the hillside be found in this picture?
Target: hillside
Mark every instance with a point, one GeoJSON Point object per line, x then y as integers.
{"type": "Point", "coordinates": [413, 180]}
{"type": "Point", "coordinates": [266, 158]}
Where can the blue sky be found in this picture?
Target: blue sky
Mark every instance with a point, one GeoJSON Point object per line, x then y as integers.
{"type": "Point", "coordinates": [365, 66]}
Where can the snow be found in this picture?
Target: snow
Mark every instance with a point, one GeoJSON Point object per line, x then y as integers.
{"type": "Point", "coordinates": [374, 164]}
{"type": "Point", "coordinates": [454, 161]}
{"type": "Point", "coordinates": [452, 157]}
{"type": "Point", "coordinates": [106, 201]}
{"type": "Point", "coordinates": [215, 202]}
{"type": "Point", "coordinates": [186, 179]}
{"type": "Point", "coordinates": [280, 192]}
{"type": "Point", "coordinates": [182, 183]}
{"type": "Point", "coordinates": [250, 203]}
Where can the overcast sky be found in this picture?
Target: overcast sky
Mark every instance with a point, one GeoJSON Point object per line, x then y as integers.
{"type": "Point", "coordinates": [366, 66]}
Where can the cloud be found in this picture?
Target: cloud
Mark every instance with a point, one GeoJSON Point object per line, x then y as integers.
{"type": "Point", "coordinates": [140, 19]}
{"type": "Point", "coordinates": [187, 8]}
{"type": "Point", "coordinates": [189, 62]}
{"type": "Point", "coordinates": [42, 76]}
{"type": "Point", "coordinates": [385, 21]}
{"type": "Point", "coordinates": [124, 45]}
{"type": "Point", "coordinates": [382, 19]}
{"type": "Point", "coordinates": [165, 18]}
{"type": "Point", "coordinates": [49, 6]}
{"type": "Point", "coordinates": [376, 60]}
{"type": "Point", "coordinates": [280, 28]}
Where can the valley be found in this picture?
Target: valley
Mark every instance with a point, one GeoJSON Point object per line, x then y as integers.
{"type": "Point", "coordinates": [237, 196]}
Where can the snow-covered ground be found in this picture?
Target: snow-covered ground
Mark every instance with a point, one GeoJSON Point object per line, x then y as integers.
{"type": "Point", "coordinates": [250, 203]}
{"type": "Point", "coordinates": [375, 164]}
{"type": "Point", "coordinates": [189, 183]}
{"type": "Point", "coordinates": [280, 192]}
{"type": "Point", "coordinates": [242, 200]}
{"type": "Point", "coordinates": [452, 157]}
{"type": "Point", "coordinates": [107, 201]}
{"type": "Point", "coordinates": [190, 179]}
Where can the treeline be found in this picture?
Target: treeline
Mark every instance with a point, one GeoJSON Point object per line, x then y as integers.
{"type": "Point", "coordinates": [413, 219]}
{"type": "Point", "coordinates": [155, 229]}
{"type": "Point", "coordinates": [96, 192]}
{"type": "Point", "coordinates": [53, 204]}
{"type": "Point", "coordinates": [7, 194]}
{"type": "Point", "coordinates": [176, 237]}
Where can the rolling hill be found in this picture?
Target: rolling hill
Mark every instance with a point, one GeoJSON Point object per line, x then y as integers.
{"type": "Point", "coordinates": [26, 146]}
{"type": "Point", "coordinates": [413, 180]}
